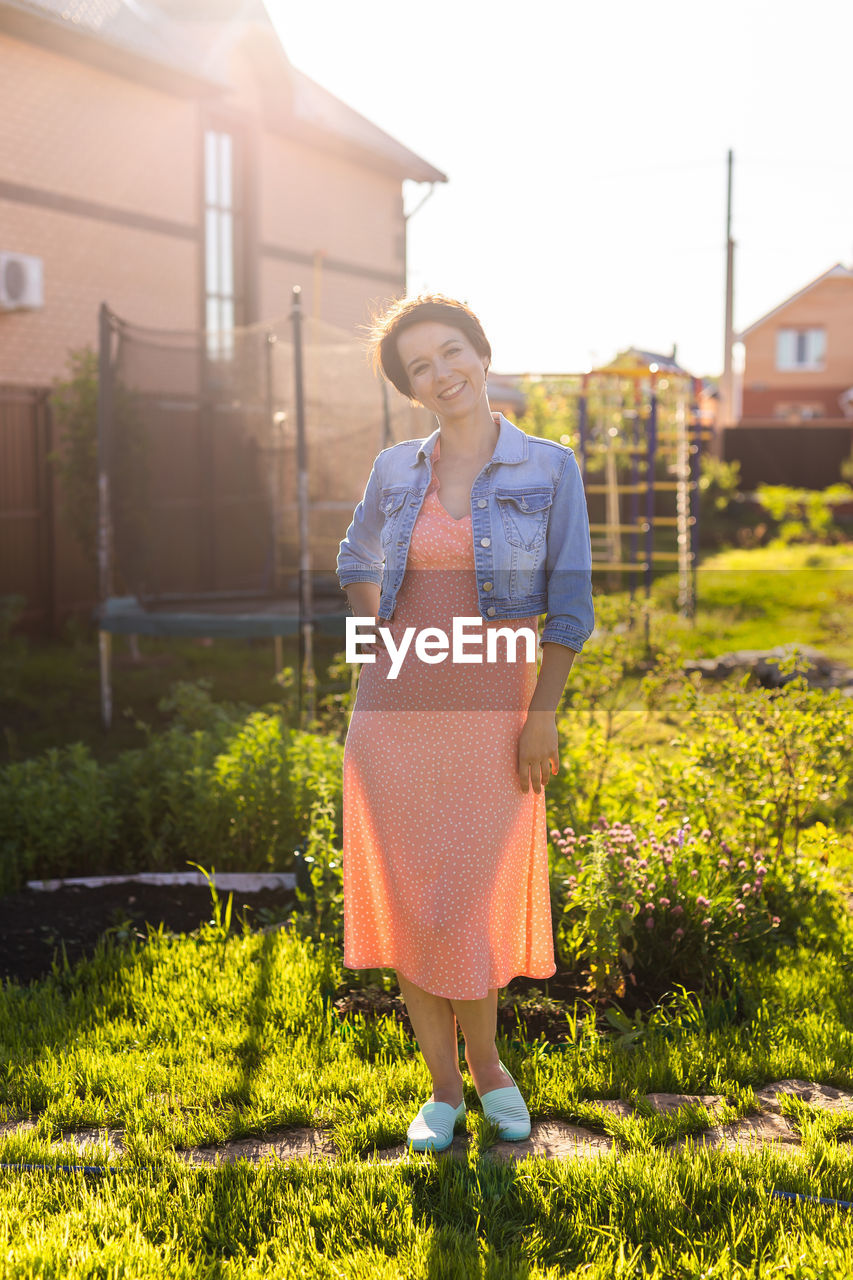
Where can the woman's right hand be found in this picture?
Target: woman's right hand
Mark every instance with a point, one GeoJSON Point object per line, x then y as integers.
{"type": "Point", "coordinates": [376, 646]}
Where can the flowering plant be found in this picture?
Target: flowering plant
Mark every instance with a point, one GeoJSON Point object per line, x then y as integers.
{"type": "Point", "coordinates": [660, 906]}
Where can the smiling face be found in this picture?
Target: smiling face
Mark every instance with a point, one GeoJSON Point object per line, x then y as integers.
{"type": "Point", "coordinates": [445, 371]}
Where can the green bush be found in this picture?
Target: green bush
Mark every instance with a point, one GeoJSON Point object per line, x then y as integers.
{"type": "Point", "coordinates": [617, 681]}
{"type": "Point", "coordinates": [805, 515]}
{"type": "Point", "coordinates": [221, 785]}
{"type": "Point", "coordinates": [320, 874]}
{"type": "Point", "coordinates": [57, 816]}
{"type": "Point", "coordinates": [749, 763]}
{"type": "Point", "coordinates": [660, 906]}
{"type": "Point", "coordinates": [74, 402]}
{"type": "Point", "coordinates": [757, 765]}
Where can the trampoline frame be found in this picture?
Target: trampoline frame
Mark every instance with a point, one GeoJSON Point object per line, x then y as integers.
{"type": "Point", "coordinates": [126, 615]}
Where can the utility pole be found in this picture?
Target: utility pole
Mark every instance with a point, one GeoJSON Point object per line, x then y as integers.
{"type": "Point", "coordinates": [727, 382]}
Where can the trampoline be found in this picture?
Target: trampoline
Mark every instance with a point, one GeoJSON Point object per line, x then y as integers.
{"type": "Point", "coordinates": [229, 465]}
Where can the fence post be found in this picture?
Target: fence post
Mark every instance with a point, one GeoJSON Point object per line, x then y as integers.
{"type": "Point", "coordinates": [105, 409]}
{"type": "Point", "coordinates": [306, 619]}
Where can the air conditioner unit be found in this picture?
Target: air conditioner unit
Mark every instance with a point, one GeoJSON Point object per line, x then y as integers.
{"type": "Point", "coordinates": [21, 282]}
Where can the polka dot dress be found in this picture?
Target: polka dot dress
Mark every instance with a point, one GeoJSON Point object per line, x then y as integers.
{"type": "Point", "coordinates": [445, 860]}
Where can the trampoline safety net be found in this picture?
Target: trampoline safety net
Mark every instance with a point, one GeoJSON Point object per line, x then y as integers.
{"type": "Point", "coordinates": [201, 453]}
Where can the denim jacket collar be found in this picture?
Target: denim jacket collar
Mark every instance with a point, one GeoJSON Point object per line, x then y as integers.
{"type": "Point", "coordinates": [512, 444]}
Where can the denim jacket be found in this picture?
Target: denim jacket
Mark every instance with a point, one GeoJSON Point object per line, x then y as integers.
{"type": "Point", "coordinates": [530, 530]}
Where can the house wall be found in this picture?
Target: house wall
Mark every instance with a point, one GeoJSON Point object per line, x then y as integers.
{"type": "Point", "coordinates": [107, 200]}
{"type": "Point", "coordinates": [101, 178]}
{"type": "Point", "coordinates": [332, 227]}
{"type": "Point", "coordinates": [766, 389]}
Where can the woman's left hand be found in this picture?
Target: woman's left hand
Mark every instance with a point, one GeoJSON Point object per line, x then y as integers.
{"type": "Point", "coordinates": [538, 750]}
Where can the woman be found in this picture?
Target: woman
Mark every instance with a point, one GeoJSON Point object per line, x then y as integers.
{"type": "Point", "coordinates": [445, 841]}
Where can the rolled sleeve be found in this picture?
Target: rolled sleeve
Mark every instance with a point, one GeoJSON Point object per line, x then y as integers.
{"type": "Point", "coordinates": [360, 557]}
{"type": "Point", "coordinates": [570, 617]}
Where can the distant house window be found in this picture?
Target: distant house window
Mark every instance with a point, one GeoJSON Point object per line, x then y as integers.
{"type": "Point", "coordinates": [223, 217]}
{"type": "Point", "coordinates": [799, 412]}
{"type": "Point", "coordinates": [800, 349]}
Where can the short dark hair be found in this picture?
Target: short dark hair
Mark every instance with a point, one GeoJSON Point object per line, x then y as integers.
{"type": "Point", "coordinates": [405, 312]}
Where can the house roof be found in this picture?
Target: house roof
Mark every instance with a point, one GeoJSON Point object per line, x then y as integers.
{"type": "Point", "coordinates": [116, 33]}
{"type": "Point", "coordinates": [316, 108]}
{"type": "Point", "coordinates": [182, 47]}
{"type": "Point", "coordinates": [838, 272]}
{"type": "Point", "coordinates": [634, 360]}
{"type": "Point", "coordinates": [503, 387]}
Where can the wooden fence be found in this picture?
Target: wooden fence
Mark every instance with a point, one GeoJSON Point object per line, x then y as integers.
{"type": "Point", "coordinates": [807, 455]}
{"type": "Point", "coordinates": [39, 559]}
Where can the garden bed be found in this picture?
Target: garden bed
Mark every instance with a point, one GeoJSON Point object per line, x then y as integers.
{"type": "Point", "coordinates": [35, 924]}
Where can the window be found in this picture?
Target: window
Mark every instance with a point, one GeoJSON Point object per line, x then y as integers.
{"type": "Point", "coordinates": [223, 217]}
{"type": "Point", "coordinates": [799, 412]}
{"type": "Point", "coordinates": [800, 348]}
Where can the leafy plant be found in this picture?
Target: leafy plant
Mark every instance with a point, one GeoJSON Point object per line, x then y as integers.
{"type": "Point", "coordinates": [237, 784]}
{"type": "Point", "coordinates": [805, 515]}
{"type": "Point", "coordinates": [757, 764]}
{"type": "Point", "coordinates": [74, 402]}
{"type": "Point", "coordinates": [617, 675]}
{"type": "Point", "coordinates": [57, 815]}
{"type": "Point", "coordinates": [319, 884]}
{"type": "Point", "coordinates": [594, 928]}
{"type": "Point", "coordinates": [660, 906]}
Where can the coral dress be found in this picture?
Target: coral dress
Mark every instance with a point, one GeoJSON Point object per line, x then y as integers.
{"type": "Point", "coordinates": [445, 860]}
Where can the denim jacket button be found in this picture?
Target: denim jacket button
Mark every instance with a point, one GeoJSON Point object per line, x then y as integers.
{"type": "Point", "coordinates": [482, 502]}
{"type": "Point", "coordinates": [487, 586]}
{"type": "Point", "coordinates": [485, 542]}
{"type": "Point", "coordinates": [491, 611]}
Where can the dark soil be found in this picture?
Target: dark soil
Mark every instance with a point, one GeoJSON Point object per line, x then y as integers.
{"type": "Point", "coordinates": [528, 1008]}
{"type": "Point", "coordinates": [34, 924]}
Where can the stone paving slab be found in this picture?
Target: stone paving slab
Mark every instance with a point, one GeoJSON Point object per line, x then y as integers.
{"type": "Point", "coordinates": [747, 1134]}
{"type": "Point", "coordinates": [290, 1144]}
{"type": "Point", "coordinates": [8, 1128]}
{"type": "Point", "coordinates": [551, 1138]}
{"type": "Point", "coordinates": [668, 1103]}
{"type": "Point", "coordinates": [554, 1139]}
{"type": "Point", "coordinates": [665, 1103]}
{"type": "Point", "coordinates": [824, 1096]}
{"type": "Point", "coordinates": [84, 1138]}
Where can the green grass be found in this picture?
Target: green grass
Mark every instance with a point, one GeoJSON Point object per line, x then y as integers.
{"type": "Point", "coordinates": [183, 1041]}
{"type": "Point", "coordinates": [193, 1040]}
{"type": "Point", "coordinates": [625, 1215]}
{"type": "Point", "coordinates": [768, 596]}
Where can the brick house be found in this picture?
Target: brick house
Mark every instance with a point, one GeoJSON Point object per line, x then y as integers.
{"type": "Point", "coordinates": [799, 357]}
{"type": "Point", "coordinates": [184, 171]}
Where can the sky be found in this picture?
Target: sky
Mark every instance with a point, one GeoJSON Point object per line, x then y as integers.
{"type": "Point", "coordinates": [585, 146]}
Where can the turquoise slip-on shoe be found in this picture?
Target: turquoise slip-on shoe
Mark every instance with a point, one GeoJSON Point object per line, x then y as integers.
{"type": "Point", "coordinates": [432, 1128]}
{"type": "Point", "coordinates": [508, 1110]}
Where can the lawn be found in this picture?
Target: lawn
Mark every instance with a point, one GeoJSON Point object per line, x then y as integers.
{"type": "Point", "coordinates": [183, 1041]}
{"type": "Point", "coordinates": [194, 1040]}
{"type": "Point", "coordinates": [768, 596]}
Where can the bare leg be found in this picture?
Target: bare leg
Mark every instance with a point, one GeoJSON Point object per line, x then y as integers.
{"type": "Point", "coordinates": [479, 1022]}
{"type": "Point", "coordinates": [434, 1024]}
